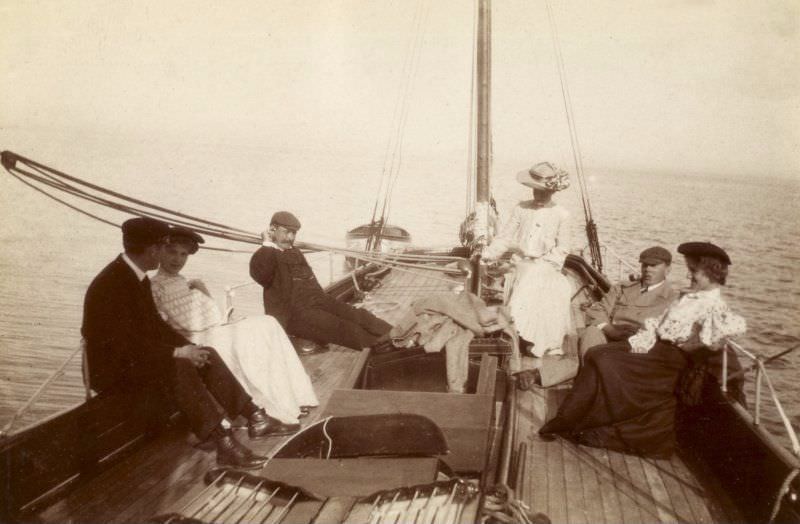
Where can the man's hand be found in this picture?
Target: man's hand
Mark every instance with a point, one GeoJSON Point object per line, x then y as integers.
{"type": "Point", "coordinates": [198, 355]}
{"type": "Point", "coordinates": [199, 285]}
{"type": "Point", "coordinates": [615, 332]}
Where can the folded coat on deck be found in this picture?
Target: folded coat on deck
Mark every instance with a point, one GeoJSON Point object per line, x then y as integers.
{"type": "Point", "coordinates": [451, 322]}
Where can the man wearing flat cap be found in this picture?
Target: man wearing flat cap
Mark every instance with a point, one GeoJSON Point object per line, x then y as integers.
{"type": "Point", "coordinates": [132, 352]}
{"type": "Point", "coordinates": [621, 312]}
{"type": "Point", "coordinates": [295, 298]}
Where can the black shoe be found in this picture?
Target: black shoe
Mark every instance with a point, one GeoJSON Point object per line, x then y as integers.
{"type": "Point", "coordinates": [553, 428]}
{"type": "Point", "coordinates": [383, 346]}
{"type": "Point", "coordinates": [547, 437]}
{"type": "Point", "coordinates": [261, 425]}
{"type": "Point", "coordinates": [232, 454]}
{"type": "Point", "coordinates": [305, 347]}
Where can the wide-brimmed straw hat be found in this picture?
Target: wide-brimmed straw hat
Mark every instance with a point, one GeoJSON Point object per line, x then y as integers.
{"type": "Point", "coordinates": [544, 176]}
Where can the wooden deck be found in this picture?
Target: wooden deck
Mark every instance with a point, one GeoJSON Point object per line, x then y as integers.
{"type": "Point", "coordinates": [579, 484]}
{"type": "Point", "coordinates": [569, 483]}
{"type": "Point", "coordinates": [166, 475]}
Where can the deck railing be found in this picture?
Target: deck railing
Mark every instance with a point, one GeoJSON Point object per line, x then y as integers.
{"type": "Point", "coordinates": [761, 377]}
{"type": "Point", "coordinates": [761, 374]}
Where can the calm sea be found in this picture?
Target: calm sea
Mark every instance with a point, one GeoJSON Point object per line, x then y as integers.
{"type": "Point", "coordinates": [51, 253]}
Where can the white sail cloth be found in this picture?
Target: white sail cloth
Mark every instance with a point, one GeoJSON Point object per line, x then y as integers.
{"type": "Point", "coordinates": [255, 349]}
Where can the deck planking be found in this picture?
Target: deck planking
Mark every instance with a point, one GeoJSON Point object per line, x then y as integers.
{"type": "Point", "coordinates": [580, 484]}
{"type": "Point", "coordinates": [570, 483]}
{"type": "Point", "coordinates": [166, 475]}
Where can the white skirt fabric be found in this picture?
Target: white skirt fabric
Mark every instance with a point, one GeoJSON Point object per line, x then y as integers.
{"type": "Point", "coordinates": [261, 357]}
{"type": "Point", "coordinates": [539, 300]}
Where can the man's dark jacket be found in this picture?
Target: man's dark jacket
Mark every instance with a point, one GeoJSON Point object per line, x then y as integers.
{"type": "Point", "coordinates": [287, 279]}
{"type": "Point", "coordinates": [127, 343]}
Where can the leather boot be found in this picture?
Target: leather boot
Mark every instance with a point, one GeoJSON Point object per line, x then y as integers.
{"type": "Point", "coordinates": [261, 425]}
{"type": "Point", "coordinates": [232, 454]}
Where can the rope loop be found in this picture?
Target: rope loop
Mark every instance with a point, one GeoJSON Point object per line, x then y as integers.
{"type": "Point", "coordinates": [500, 505]}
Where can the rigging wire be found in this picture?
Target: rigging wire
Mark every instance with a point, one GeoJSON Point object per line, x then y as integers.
{"type": "Point", "coordinates": [397, 154]}
{"type": "Point", "coordinates": [40, 174]}
{"type": "Point", "coordinates": [393, 161]}
{"type": "Point", "coordinates": [591, 227]}
{"type": "Point", "coordinates": [385, 170]}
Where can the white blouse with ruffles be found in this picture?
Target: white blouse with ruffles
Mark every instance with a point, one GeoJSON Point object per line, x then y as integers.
{"type": "Point", "coordinates": [696, 316]}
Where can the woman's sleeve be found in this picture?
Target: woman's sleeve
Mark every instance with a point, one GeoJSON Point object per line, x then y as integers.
{"type": "Point", "coordinates": [185, 309]}
{"type": "Point", "coordinates": [560, 249]}
{"type": "Point", "coordinates": [719, 325]}
{"type": "Point", "coordinates": [644, 339]}
{"type": "Point", "coordinates": [507, 237]}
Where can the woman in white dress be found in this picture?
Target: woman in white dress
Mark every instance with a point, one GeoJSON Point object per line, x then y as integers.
{"type": "Point", "coordinates": [537, 234]}
{"type": "Point", "coordinates": [256, 349]}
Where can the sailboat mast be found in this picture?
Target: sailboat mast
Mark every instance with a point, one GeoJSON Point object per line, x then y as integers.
{"type": "Point", "coordinates": [483, 139]}
{"type": "Point", "coordinates": [484, 77]}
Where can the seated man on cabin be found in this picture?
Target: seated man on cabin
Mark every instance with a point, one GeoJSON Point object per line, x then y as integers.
{"type": "Point", "coordinates": [132, 352]}
{"type": "Point", "coordinates": [293, 295]}
{"type": "Point", "coordinates": [620, 314]}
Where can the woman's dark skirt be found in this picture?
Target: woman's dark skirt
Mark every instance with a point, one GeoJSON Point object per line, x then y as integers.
{"type": "Point", "coordinates": [623, 401]}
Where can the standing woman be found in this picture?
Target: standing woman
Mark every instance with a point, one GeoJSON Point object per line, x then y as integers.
{"type": "Point", "coordinates": [256, 349]}
{"type": "Point", "coordinates": [624, 396]}
{"type": "Point", "coordinates": [537, 236]}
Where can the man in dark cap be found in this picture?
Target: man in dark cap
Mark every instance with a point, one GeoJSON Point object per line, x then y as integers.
{"type": "Point", "coordinates": [293, 295]}
{"type": "Point", "coordinates": [622, 311]}
{"type": "Point", "coordinates": [620, 314]}
{"type": "Point", "coordinates": [132, 352]}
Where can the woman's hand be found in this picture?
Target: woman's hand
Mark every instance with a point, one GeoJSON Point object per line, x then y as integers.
{"type": "Point", "coordinates": [198, 355]}
{"type": "Point", "coordinates": [198, 284]}
{"type": "Point", "coordinates": [615, 332]}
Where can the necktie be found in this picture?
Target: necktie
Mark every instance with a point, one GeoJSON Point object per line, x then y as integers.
{"type": "Point", "coordinates": [146, 285]}
{"type": "Point", "coordinates": [644, 289]}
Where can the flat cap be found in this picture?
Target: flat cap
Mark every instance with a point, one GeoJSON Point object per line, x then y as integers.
{"type": "Point", "coordinates": [704, 249]}
{"type": "Point", "coordinates": [184, 234]}
{"type": "Point", "coordinates": [144, 231]}
{"type": "Point", "coordinates": [655, 255]}
{"type": "Point", "coordinates": [285, 219]}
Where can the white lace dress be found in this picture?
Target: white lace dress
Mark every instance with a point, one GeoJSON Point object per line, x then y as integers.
{"type": "Point", "coordinates": [538, 294]}
{"type": "Point", "coordinates": [255, 349]}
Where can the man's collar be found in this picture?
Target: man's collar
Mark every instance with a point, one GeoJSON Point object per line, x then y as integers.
{"type": "Point", "coordinates": [139, 273]}
{"type": "Point", "coordinates": [648, 289]}
{"type": "Point", "coordinates": [270, 243]}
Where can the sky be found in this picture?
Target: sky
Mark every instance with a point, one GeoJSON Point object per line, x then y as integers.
{"type": "Point", "coordinates": [656, 86]}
